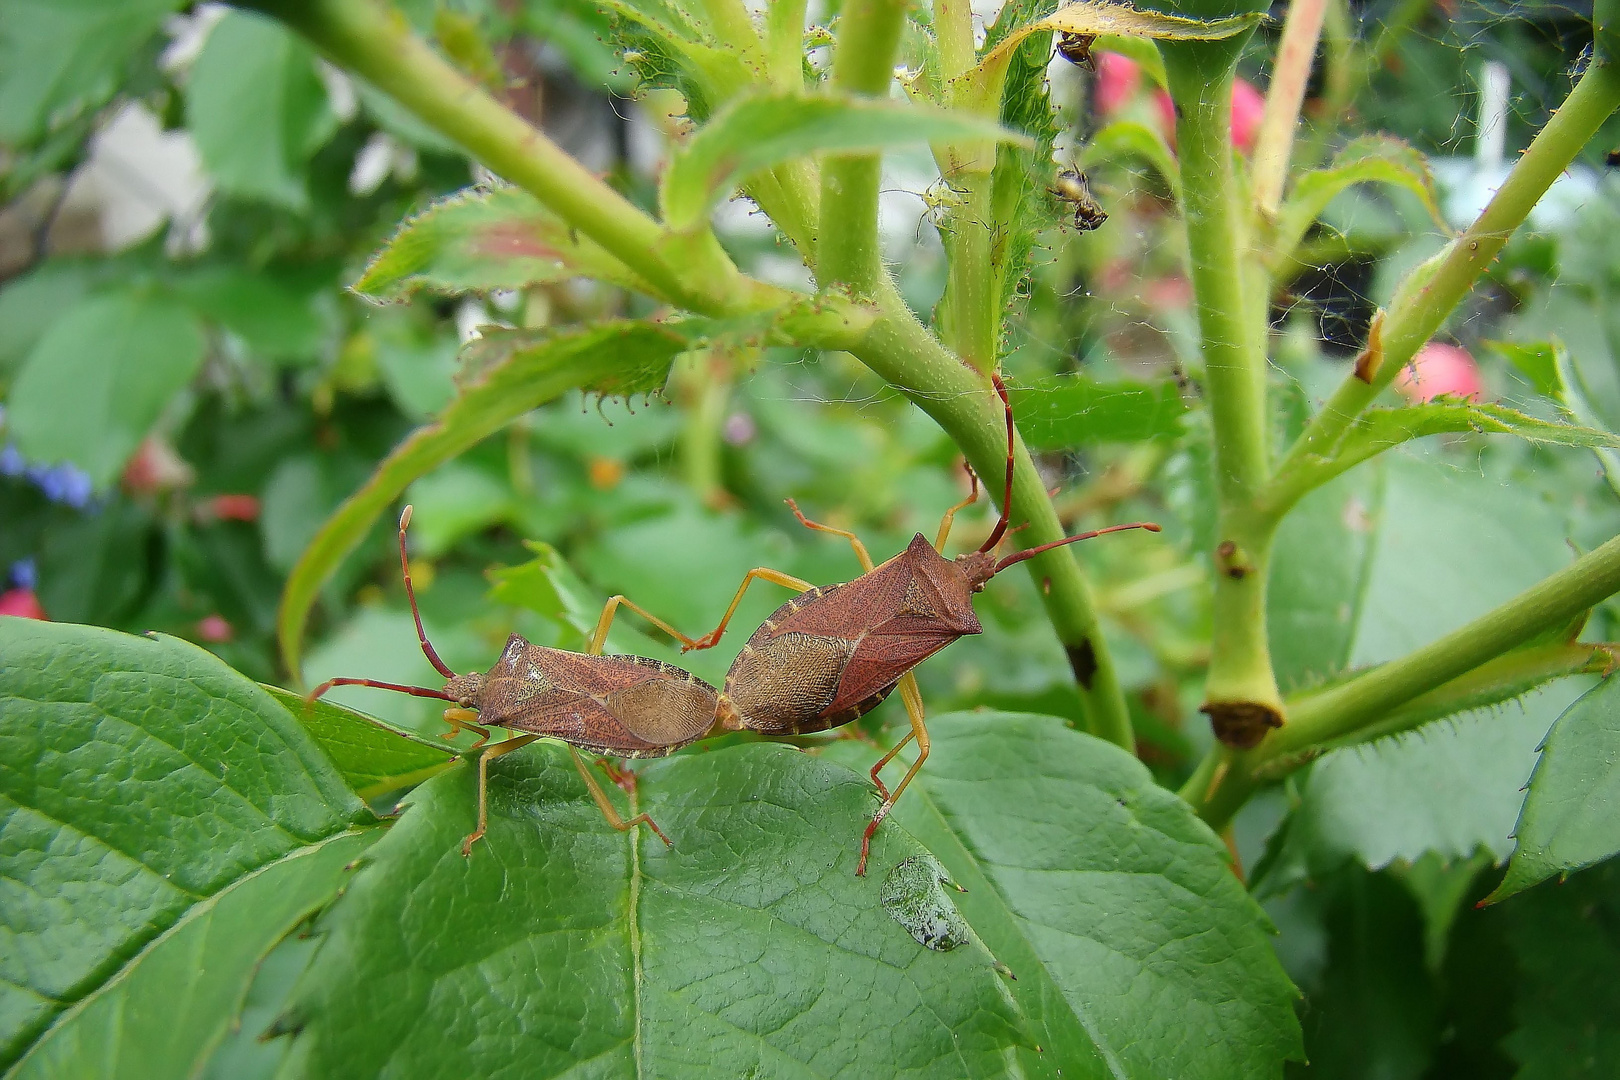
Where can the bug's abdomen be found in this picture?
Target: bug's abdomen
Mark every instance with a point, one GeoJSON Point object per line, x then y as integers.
{"type": "Point", "coordinates": [784, 685]}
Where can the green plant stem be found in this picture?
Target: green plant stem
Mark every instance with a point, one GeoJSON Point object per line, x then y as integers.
{"type": "Point", "coordinates": [1200, 76]}
{"type": "Point", "coordinates": [376, 43]}
{"type": "Point", "coordinates": [960, 399]}
{"type": "Point", "coordinates": [1274, 145]}
{"type": "Point", "coordinates": [784, 37]}
{"type": "Point", "coordinates": [1366, 702]}
{"type": "Point", "coordinates": [863, 64]}
{"type": "Point", "coordinates": [1422, 310]}
{"type": "Point", "coordinates": [953, 35]}
{"type": "Point", "coordinates": [970, 322]}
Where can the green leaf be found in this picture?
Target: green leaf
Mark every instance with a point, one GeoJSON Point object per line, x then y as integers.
{"type": "Point", "coordinates": [1382, 561]}
{"type": "Point", "coordinates": [375, 757]}
{"type": "Point", "coordinates": [758, 132]}
{"type": "Point", "coordinates": [257, 109]}
{"type": "Point", "coordinates": [481, 239]}
{"type": "Point", "coordinates": [31, 303]}
{"type": "Point", "coordinates": [1373, 1012]}
{"type": "Point", "coordinates": [60, 59]}
{"type": "Point", "coordinates": [140, 780]}
{"type": "Point", "coordinates": [275, 318]}
{"type": "Point", "coordinates": [1451, 788]}
{"type": "Point", "coordinates": [1137, 951]}
{"type": "Point", "coordinates": [1124, 139]}
{"type": "Point", "coordinates": [982, 85]}
{"type": "Point", "coordinates": [178, 999]}
{"type": "Point", "coordinates": [1063, 411]}
{"type": "Point", "coordinates": [1568, 821]}
{"type": "Point", "coordinates": [1567, 949]}
{"type": "Point", "coordinates": [748, 948]}
{"type": "Point", "coordinates": [516, 372]}
{"type": "Point", "coordinates": [97, 381]}
{"type": "Point", "coordinates": [1381, 429]}
{"type": "Point", "coordinates": [1378, 159]}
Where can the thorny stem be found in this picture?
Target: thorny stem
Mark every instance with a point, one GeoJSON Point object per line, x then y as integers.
{"type": "Point", "coordinates": [375, 42]}
{"type": "Point", "coordinates": [1421, 311]}
{"type": "Point", "coordinates": [1364, 703]}
{"type": "Point", "coordinates": [863, 64]}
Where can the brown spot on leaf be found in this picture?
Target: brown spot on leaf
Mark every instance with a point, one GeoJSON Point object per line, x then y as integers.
{"type": "Point", "coordinates": [1241, 724]}
{"type": "Point", "coordinates": [1083, 660]}
{"type": "Point", "coordinates": [515, 240]}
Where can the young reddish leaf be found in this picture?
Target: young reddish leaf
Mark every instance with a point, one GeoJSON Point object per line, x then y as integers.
{"type": "Point", "coordinates": [481, 239]}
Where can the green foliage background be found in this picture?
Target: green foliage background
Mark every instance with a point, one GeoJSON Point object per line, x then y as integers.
{"type": "Point", "coordinates": [202, 879]}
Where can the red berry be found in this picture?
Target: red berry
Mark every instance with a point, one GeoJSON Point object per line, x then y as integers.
{"type": "Point", "coordinates": [21, 603]}
{"type": "Point", "coordinates": [1440, 369]}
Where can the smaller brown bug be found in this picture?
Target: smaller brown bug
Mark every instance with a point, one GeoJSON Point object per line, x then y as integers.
{"type": "Point", "coordinates": [1070, 186]}
{"type": "Point", "coordinates": [624, 706]}
{"type": "Point", "coordinates": [1076, 49]}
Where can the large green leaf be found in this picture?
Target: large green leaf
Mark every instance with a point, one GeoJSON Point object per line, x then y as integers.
{"type": "Point", "coordinates": [1451, 788]}
{"type": "Point", "coordinates": [1568, 1000]}
{"type": "Point", "coordinates": [563, 948]}
{"type": "Point", "coordinates": [1063, 411]}
{"type": "Point", "coordinates": [480, 239]}
{"type": "Point", "coordinates": [1379, 159]}
{"type": "Point", "coordinates": [1569, 818]}
{"type": "Point", "coordinates": [1136, 949]}
{"type": "Point", "coordinates": [1384, 560]}
{"type": "Point", "coordinates": [758, 132]}
{"type": "Point", "coordinates": [257, 109]}
{"type": "Point", "coordinates": [99, 379]}
{"type": "Point", "coordinates": [151, 798]}
{"type": "Point", "coordinates": [60, 58]}
{"type": "Point", "coordinates": [515, 373]}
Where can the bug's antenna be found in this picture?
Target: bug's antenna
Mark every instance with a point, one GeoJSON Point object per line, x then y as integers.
{"type": "Point", "coordinates": [414, 691]}
{"type": "Point", "coordinates": [1006, 498]}
{"type": "Point", "coordinates": [410, 594]}
{"type": "Point", "coordinates": [1030, 553]}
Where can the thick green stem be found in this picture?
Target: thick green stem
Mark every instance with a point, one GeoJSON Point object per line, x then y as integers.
{"type": "Point", "coordinates": [971, 320]}
{"type": "Point", "coordinates": [1422, 306]}
{"type": "Point", "coordinates": [953, 34]}
{"type": "Point", "coordinates": [1367, 701]}
{"type": "Point", "coordinates": [863, 64]}
{"type": "Point", "coordinates": [900, 350]}
{"type": "Point", "coordinates": [376, 43]}
{"type": "Point", "coordinates": [1241, 696]}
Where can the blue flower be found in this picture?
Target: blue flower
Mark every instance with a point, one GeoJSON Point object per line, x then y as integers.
{"type": "Point", "coordinates": [64, 483]}
{"type": "Point", "coordinates": [12, 463]}
{"type": "Point", "coordinates": [24, 574]}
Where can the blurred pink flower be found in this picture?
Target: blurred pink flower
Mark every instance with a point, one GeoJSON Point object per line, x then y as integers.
{"type": "Point", "coordinates": [21, 603]}
{"type": "Point", "coordinates": [1118, 78]}
{"type": "Point", "coordinates": [215, 630]}
{"type": "Point", "coordinates": [1248, 106]}
{"type": "Point", "coordinates": [1440, 369]}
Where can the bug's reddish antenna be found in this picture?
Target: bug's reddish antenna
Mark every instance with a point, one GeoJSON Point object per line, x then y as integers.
{"type": "Point", "coordinates": [1020, 556]}
{"type": "Point", "coordinates": [414, 691]}
{"type": "Point", "coordinates": [410, 594]}
{"type": "Point", "coordinates": [1006, 498]}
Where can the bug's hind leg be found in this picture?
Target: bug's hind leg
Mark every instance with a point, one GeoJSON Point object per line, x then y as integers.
{"type": "Point", "coordinates": [603, 804]}
{"type": "Point", "coordinates": [914, 709]}
{"type": "Point", "coordinates": [490, 754]}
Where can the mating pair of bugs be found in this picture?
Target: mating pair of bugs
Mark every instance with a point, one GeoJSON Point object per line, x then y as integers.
{"type": "Point", "coordinates": [824, 658]}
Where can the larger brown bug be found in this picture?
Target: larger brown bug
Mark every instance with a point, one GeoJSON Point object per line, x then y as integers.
{"type": "Point", "coordinates": [624, 706]}
{"type": "Point", "coordinates": [835, 652]}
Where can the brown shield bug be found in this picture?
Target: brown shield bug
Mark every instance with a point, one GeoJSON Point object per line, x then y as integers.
{"type": "Point", "coordinates": [625, 706]}
{"type": "Point", "coordinates": [835, 652]}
